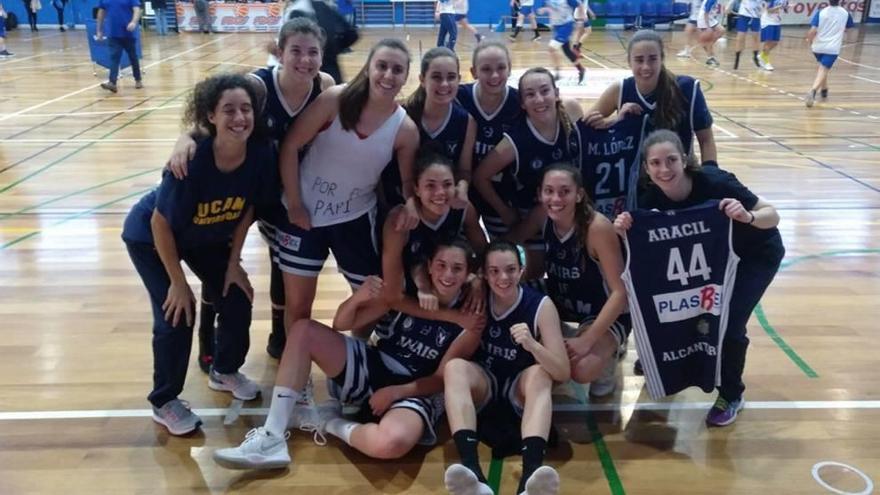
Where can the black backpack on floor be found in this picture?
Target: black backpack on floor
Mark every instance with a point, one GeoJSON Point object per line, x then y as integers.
{"type": "Point", "coordinates": [11, 21]}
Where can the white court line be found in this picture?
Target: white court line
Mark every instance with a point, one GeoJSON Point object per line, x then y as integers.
{"type": "Point", "coordinates": [725, 131]}
{"type": "Point", "coordinates": [93, 86]}
{"type": "Point", "coordinates": [103, 112]}
{"type": "Point", "coordinates": [858, 64]}
{"type": "Point", "coordinates": [644, 406]}
{"type": "Point", "coordinates": [591, 59]}
{"type": "Point", "coordinates": [120, 140]}
{"type": "Point", "coordinates": [864, 79]}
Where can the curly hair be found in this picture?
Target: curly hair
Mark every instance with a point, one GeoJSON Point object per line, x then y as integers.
{"type": "Point", "coordinates": [203, 100]}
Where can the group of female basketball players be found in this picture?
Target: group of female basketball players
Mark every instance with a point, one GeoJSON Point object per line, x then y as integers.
{"type": "Point", "coordinates": [441, 319]}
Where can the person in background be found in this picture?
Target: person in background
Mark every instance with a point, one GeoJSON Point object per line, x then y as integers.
{"type": "Point", "coordinates": [161, 21]}
{"type": "Point", "coordinates": [826, 35]}
{"type": "Point", "coordinates": [122, 22]}
{"type": "Point", "coordinates": [448, 33]}
{"type": "Point", "coordinates": [59, 9]}
{"type": "Point", "coordinates": [461, 12]}
{"type": "Point", "coordinates": [340, 34]}
{"type": "Point", "coordinates": [31, 7]}
{"type": "Point", "coordinates": [202, 14]}
{"type": "Point", "coordinates": [4, 53]}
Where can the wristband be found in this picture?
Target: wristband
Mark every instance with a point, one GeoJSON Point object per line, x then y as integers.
{"type": "Point", "coordinates": [752, 221]}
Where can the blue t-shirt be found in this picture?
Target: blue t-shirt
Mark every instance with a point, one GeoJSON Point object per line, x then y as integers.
{"type": "Point", "coordinates": [205, 207]}
{"type": "Point", "coordinates": [118, 15]}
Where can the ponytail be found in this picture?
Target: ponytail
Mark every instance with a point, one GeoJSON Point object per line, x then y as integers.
{"type": "Point", "coordinates": [354, 96]}
{"type": "Point", "coordinates": [671, 103]}
{"type": "Point", "coordinates": [584, 213]}
{"type": "Point", "coordinates": [415, 104]}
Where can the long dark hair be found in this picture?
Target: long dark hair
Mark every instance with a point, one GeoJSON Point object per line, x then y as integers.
{"type": "Point", "coordinates": [354, 96]}
{"type": "Point", "coordinates": [669, 111]}
{"type": "Point", "coordinates": [430, 154]}
{"type": "Point", "coordinates": [561, 114]}
{"type": "Point", "coordinates": [415, 104]}
{"type": "Point", "coordinates": [583, 211]}
{"type": "Point", "coordinates": [691, 166]}
{"type": "Point", "coordinates": [205, 96]}
{"type": "Point", "coordinates": [455, 242]}
{"type": "Point", "coordinates": [502, 245]}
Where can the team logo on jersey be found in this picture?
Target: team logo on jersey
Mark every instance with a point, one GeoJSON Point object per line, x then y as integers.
{"type": "Point", "coordinates": [488, 132]}
{"type": "Point", "coordinates": [451, 146]}
{"type": "Point", "coordinates": [288, 241]}
{"type": "Point", "coordinates": [441, 337]}
{"type": "Point", "coordinates": [407, 323]}
{"type": "Point", "coordinates": [270, 122]}
{"type": "Point", "coordinates": [414, 247]}
{"type": "Point", "coordinates": [703, 327]}
{"type": "Point", "coordinates": [557, 154]}
{"type": "Point", "coordinates": [690, 303]}
{"type": "Point", "coordinates": [537, 164]}
{"type": "Point", "coordinates": [427, 329]}
{"type": "Point", "coordinates": [495, 331]}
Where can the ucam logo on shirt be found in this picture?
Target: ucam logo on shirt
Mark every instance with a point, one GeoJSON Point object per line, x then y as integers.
{"type": "Point", "coordinates": [690, 303]}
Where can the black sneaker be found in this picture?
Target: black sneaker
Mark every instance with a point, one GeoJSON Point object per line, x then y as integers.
{"type": "Point", "coordinates": [637, 368]}
{"type": "Point", "coordinates": [277, 342]}
{"type": "Point", "coordinates": [581, 73]}
{"type": "Point", "coordinates": [109, 86]}
{"type": "Point", "coordinates": [6, 54]}
{"type": "Point", "coordinates": [823, 93]}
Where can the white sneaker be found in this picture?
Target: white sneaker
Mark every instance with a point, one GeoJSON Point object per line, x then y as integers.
{"type": "Point", "coordinates": [607, 381]}
{"type": "Point", "coordinates": [768, 66]}
{"type": "Point", "coordinates": [241, 386]}
{"type": "Point", "coordinates": [460, 480]}
{"type": "Point", "coordinates": [544, 481]}
{"type": "Point", "coordinates": [259, 450]}
{"type": "Point", "coordinates": [684, 53]}
{"type": "Point", "coordinates": [177, 417]}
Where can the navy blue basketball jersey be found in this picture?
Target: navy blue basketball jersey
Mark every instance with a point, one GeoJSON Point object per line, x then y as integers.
{"type": "Point", "coordinates": [534, 153]}
{"type": "Point", "coordinates": [610, 161]}
{"type": "Point", "coordinates": [425, 236]}
{"type": "Point", "coordinates": [490, 130]}
{"type": "Point", "coordinates": [695, 116]}
{"type": "Point", "coordinates": [277, 113]}
{"type": "Point", "coordinates": [449, 139]}
{"type": "Point", "coordinates": [503, 357]}
{"type": "Point", "coordinates": [574, 279]}
{"type": "Point", "coordinates": [679, 280]}
{"type": "Point", "coordinates": [417, 343]}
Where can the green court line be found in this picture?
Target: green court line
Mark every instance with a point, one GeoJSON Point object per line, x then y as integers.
{"type": "Point", "coordinates": [4, 216]}
{"type": "Point", "coordinates": [494, 479]}
{"type": "Point", "coordinates": [71, 217]}
{"type": "Point", "coordinates": [614, 483]}
{"type": "Point", "coordinates": [774, 335]}
{"type": "Point", "coordinates": [88, 145]}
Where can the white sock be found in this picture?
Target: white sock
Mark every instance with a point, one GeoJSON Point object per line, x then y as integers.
{"type": "Point", "coordinates": [341, 428]}
{"type": "Point", "coordinates": [280, 410]}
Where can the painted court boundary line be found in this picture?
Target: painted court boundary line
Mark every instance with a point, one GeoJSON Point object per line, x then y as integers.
{"type": "Point", "coordinates": [639, 406]}
{"type": "Point", "coordinates": [93, 86]}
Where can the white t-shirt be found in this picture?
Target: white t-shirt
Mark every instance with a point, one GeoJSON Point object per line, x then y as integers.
{"type": "Point", "coordinates": [340, 172]}
{"type": "Point", "coordinates": [830, 23]}
{"type": "Point", "coordinates": [773, 18]}
{"type": "Point", "coordinates": [750, 8]}
{"type": "Point", "coordinates": [445, 7]}
{"type": "Point", "coordinates": [561, 11]}
{"type": "Point", "coordinates": [461, 6]}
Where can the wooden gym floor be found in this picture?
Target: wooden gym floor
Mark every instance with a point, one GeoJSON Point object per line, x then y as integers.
{"type": "Point", "coordinates": [75, 361]}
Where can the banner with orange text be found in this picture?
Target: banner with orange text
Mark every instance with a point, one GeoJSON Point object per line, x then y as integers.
{"type": "Point", "coordinates": [233, 17]}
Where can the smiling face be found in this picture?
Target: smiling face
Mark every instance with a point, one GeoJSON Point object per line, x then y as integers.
{"type": "Point", "coordinates": [646, 61]}
{"type": "Point", "coordinates": [448, 270]}
{"type": "Point", "coordinates": [441, 80]}
{"type": "Point", "coordinates": [387, 72]}
{"type": "Point", "coordinates": [233, 117]}
{"type": "Point", "coordinates": [435, 188]}
{"type": "Point", "coordinates": [665, 166]}
{"type": "Point", "coordinates": [539, 96]}
{"type": "Point", "coordinates": [491, 68]}
{"type": "Point", "coordinates": [503, 273]}
{"type": "Point", "coordinates": [301, 56]}
{"type": "Point", "coordinates": [560, 195]}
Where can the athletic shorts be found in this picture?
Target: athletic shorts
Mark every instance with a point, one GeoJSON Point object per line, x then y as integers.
{"type": "Point", "coordinates": [692, 21]}
{"type": "Point", "coordinates": [771, 33]}
{"type": "Point", "coordinates": [502, 390]}
{"type": "Point", "coordinates": [526, 10]}
{"type": "Point", "coordinates": [459, 17]}
{"type": "Point", "coordinates": [701, 22]}
{"type": "Point", "coordinates": [367, 369]}
{"type": "Point", "coordinates": [2, 27]}
{"type": "Point", "coordinates": [620, 328]}
{"type": "Point", "coordinates": [354, 244]}
{"type": "Point", "coordinates": [268, 216]}
{"type": "Point", "coordinates": [745, 24]}
{"type": "Point", "coordinates": [561, 34]}
{"type": "Point", "coordinates": [826, 59]}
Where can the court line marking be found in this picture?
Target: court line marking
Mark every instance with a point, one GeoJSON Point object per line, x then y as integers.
{"type": "Point", "coordinates": [102, 112]}
{"type": "Point", "coordinates": [858, 64]}
{"type": "Point", "coordinates": [869, 484]}
{"type": "Point", "coordinates": [96, 140]}
{"type": "Point", "coordinates": [864, 79]}
{"type": "Point", "coordinates": [639, 406]}
{"type": "Point", "coordinates": [93, 86]}
{"type": "Point", "coordinates": [774, 335]}
{"type": "Point", "coordinates": [602, 451]}
{"type": "Point", "coordinates": [725, 131]}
